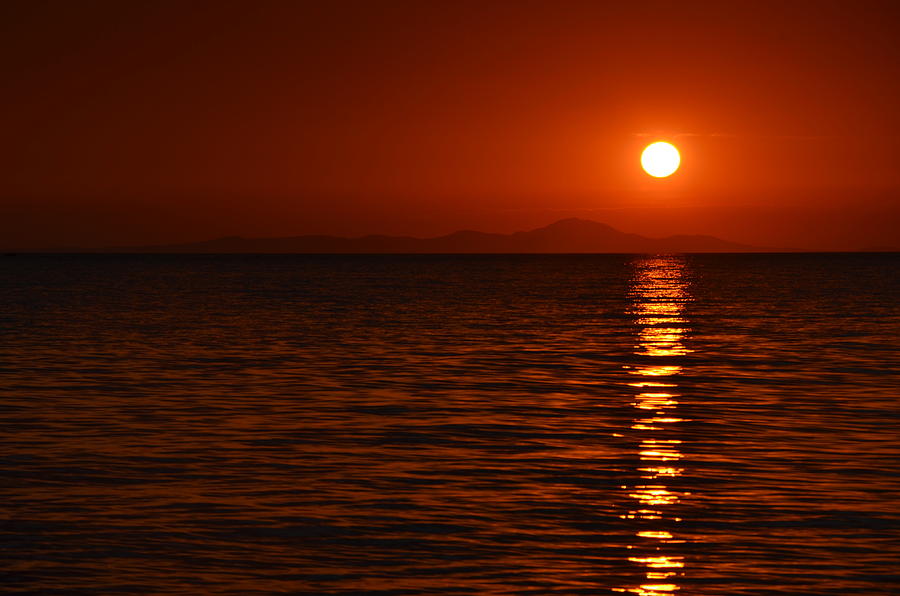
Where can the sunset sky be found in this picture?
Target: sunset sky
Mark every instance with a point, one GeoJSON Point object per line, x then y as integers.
{"type": "Point", "coordinates": [150, 122]}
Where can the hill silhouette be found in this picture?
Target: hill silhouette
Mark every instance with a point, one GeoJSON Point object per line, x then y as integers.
{"type": "Point", "coordinates": [565, 236]}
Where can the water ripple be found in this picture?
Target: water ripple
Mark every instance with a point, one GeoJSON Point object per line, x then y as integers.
{"type": "Point", "coordinates": [463, 425]}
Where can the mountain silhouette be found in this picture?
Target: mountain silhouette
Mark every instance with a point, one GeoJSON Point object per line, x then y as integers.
{"type": "Point", "coordinates": [565, 236]}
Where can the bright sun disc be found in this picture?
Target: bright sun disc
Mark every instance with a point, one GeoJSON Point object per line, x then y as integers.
{"type": "Point", "coordinates": [660, 159]}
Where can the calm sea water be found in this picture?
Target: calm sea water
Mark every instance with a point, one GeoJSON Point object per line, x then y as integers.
{"type": "Point", "coordinates": [692, 425]}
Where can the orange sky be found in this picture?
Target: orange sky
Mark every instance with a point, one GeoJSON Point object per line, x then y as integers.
{"type": "Point", "coordinates": [178, 121]}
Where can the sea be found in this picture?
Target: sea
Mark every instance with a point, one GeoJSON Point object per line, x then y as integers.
{"type": "Point", "coordinates": [653, 425]}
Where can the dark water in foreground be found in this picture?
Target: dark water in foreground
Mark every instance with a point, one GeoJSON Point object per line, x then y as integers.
{"type": "Point", "coordinates": [700, 425]}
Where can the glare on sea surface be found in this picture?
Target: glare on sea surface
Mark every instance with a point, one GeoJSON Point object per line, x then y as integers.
{"type": "Point", "coordinates": [659, 293]}
{"type": "Point", "coordinates": [657, 371]}
{"type": "Point", "coordinates": [652, 534]}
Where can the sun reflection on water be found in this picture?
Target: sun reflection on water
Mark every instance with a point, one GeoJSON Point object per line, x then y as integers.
{"type": "Point", "coordinates": [658, 295]}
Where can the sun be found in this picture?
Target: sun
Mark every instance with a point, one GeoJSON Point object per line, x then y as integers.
{"type": "Point", "coordinates": [660, 159]}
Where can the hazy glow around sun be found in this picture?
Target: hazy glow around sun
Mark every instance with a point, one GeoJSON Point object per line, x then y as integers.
{"type": "Point", "coordinates": [660, 159]}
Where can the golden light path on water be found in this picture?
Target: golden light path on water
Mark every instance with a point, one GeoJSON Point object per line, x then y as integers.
{"type": "Point", "coordinates": [658, 294]}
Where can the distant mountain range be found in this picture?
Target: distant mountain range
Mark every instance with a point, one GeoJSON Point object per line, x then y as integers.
{"type": "Point", "coordinates": [565, 236]}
